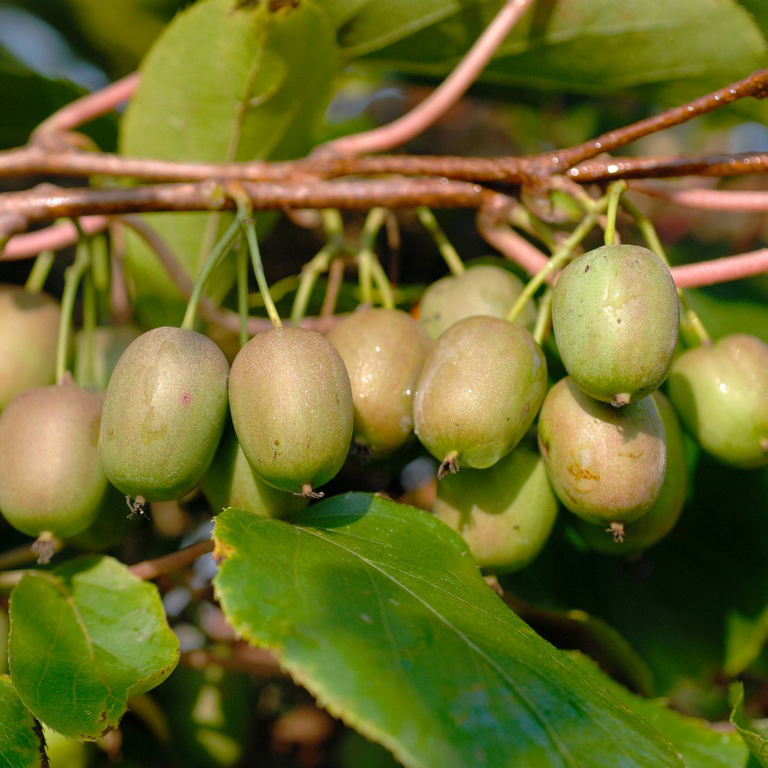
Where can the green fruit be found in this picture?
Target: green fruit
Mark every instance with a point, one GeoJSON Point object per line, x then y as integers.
{"type": "Point", "coordinates": [481, 290]}
{"type": "Point", "coordinates": [51, 480]}
{"type": "Point", "coordinates": [605, 464]}
{"type": "Point", "coordinates": [721, 393]}
{"type": "Point", "coordinates": [504, 513]}
{"type": "Point", "coordinates": [615, 315]}
{"type": "Point", "coordinates": [383, 350]}
{"type": "Point", "coordinates": [661, 518]}
{"type": "Point", "coordinates": [479, 391]}
{"type": "Point", "coordinates": [30, 328]}
{"type": "Point", "coordinates": [165, 410]}
{"type": "Point", "coordinates": [291, 404]}
{"type": "Point", "coordinates": [231, 482]}
{"type": "Point", "coordinates": [109, 343]}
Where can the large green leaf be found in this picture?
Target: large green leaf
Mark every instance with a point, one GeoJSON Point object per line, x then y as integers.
{"type": "Point", "coordinates": [378, 609]}
{"type": "Point", "coordinates": [85, 637]}
{"type": "Point", "coordinates": [754, 734]}
{"type": "Point", "coordinates": [585, 46]}
{"type": "Point", "coordinates": [699, 744]}
{"type": "Point", "coordinates": [225, 82]}
{"type": "Point", "coordinates": [21, 737]}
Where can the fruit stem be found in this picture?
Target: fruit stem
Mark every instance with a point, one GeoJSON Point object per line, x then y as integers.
{"type": "Point", "coordinates": [309, 274]}
{"type": "Point", "coordinates": [447, 251]}
{"type": "Point", "coordinates": [246, 221]}
{"type": "Point", "coordinates": [86, 373]}
{"type": "Point", "coordinates": [241, 267]}
{"type": "Point", "coordinates": [544, 317]}
{"type": "Point", "coordinates": [691, 327]}
{"type": "Point", "coordinates": [383, 284]}
{"type": "Point", "coordinates": [522, 218]}
{"type": "Point", "coordinates": [40, 271]}
{"type": "Point", "coordinates": [366, 255]}
{"type": "Point", "coordinates": [558, 260]}
{"type": "Point", "coordinates": [72, 277]}
{"type": "Point", "coordinates": [615, 191]}
{"type": "Point", "coordinates": [217, 252]}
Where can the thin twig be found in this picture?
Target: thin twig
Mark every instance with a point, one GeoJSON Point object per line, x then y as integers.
{"type": "Point", "coordinates": [736, 200]}
{"type": "Point", "coordinates": [151, 569]}
{"type": "Point", "coordinates": [721, 270]}
{"type": "Point", "coordinates": [52, 238]}
{"type": "Point", "coordinates": [755, 85]}
{"type": "Point", "coordinates": [88, 107]}
{"type": "Point", "coordinates": [443, 97]}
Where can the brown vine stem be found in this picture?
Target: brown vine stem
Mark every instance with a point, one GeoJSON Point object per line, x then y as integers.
{"type": "Point", "coordinates": [755, 85]}
{"type": "Point", "coordinates": [88, 107]}
{"type": "Point", "coordinates": [151, 569]}
{"type": "Point", "coordinates": [737, 200]}
{"type": "Point", "coordinates": [443, 97]}
{"type": "Point", "coordinates": [18, 210]}
{"type": "Point", "coordinates": [665, 167]}
{"type": "Point", "coordinates": [238, 657]}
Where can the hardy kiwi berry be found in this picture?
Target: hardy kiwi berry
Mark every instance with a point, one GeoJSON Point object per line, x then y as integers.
{"type": "Point", "coordinates": [481, 290]}
{"type": "Point", "coordinates": [661, 518]}
{"type": "Point", "coordinates": [479, 391]}
{"type": "Point", "coordinates": [615, 318]}
{"type": "Point", "coordinates": [51, 480]}
{"type": "Point", "coordinates": [231, 482]}
{"type": "Point", "coordinates": [165, 409]}
{"type": "Point", "coordinates": [291, 403]}
{"type": "Point", "coordinates": [30, 327]}
{"type": "Point", "coordinates": [606, 464]}
{"type": "Point", "coordinates": [505, 513]}
{"type": "Point", "coordinates": [720, 391]}
{"type": "Point", "coordinates": [383, 350]}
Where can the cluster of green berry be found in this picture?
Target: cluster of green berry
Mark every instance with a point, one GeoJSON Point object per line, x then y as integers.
{"type": "Point", "coordinates": [467, 381]}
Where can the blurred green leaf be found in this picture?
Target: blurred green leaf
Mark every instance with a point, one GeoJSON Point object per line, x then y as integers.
{"type": "Point", "coordinates": [223, 83]}
{"type": "Point", "coordinates": [754, 734]}
{"type": "Point", "coordinates": [583, 46]}
{"type": "Point", "coordinates": [378, 609]}
{"type": "Point", "coordinates": [85, 637]}
{"type": "Point", "coordinates": [21, 738]}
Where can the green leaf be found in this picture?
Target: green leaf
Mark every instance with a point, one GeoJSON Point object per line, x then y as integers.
{"type": "Point", "coordinates": [754, 734]}
{"type": "Point", "coordinates": [378, 609]}
{"type": "Point", "coordinates": [700, 745]}
{"type": "Point", "coordinates": [586, 46]}
{"type": "Point", "coordinates": [85, 637]}
{"type": "Point", "coordinates": [223, 83]}
{"type": "Point", "coordinates": [21, 737]}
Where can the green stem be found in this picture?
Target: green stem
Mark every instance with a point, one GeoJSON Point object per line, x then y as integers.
{"type": "Point", "coordinates": [309, 274]}
{"type": "Point", "coordinates": [242, 294]}
{"type": "Point", "coordinates": [246, 221]}
{"type": "Point", "coordinates": [558, 260]}
{"type": "Point", "coordinates": [544, 317]}
{"type": "Point", "coordinates": [366, 255]}
{"type": "Point", "coordinates": [382, 283]}
{"type": "Point", "coordinates": [522, 218]}
{"type": "Point", "coordinates": [72, 277]}
{"type": "Point", "coordinates": [691, 327]}
{"type": "Point", "coordinates": [218, 250]}
{"type": "Point", "coordinates": [40, 271]}
{"type": "Point", "coordinates": [448, 252]}
{"type": "Point", "coordinates": [615, 191]}
{"type": "Point", "coordinates": [88, 377]}
{"type": "Point", "coordinates": [333, 224]}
